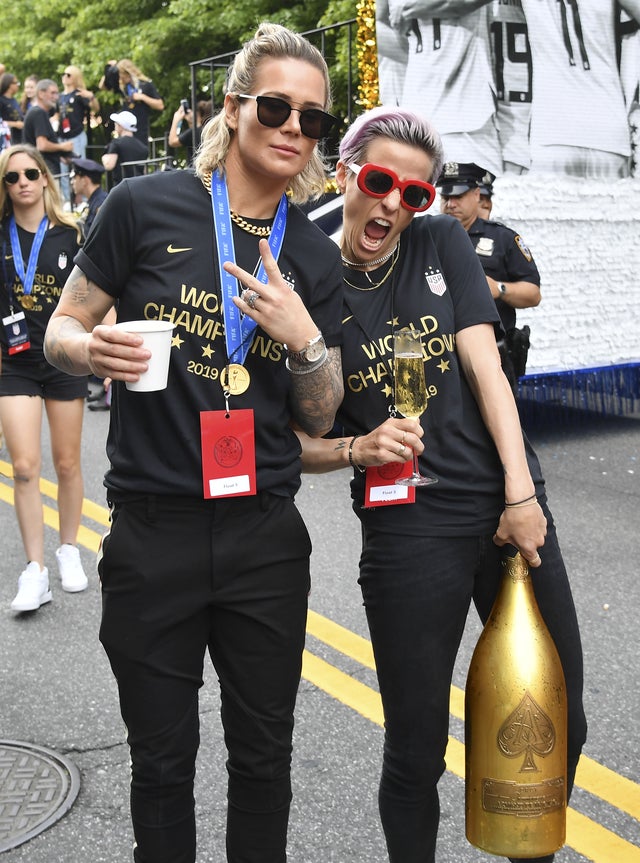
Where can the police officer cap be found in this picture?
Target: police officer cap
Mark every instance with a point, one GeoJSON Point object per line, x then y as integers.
{"type": "Point", "coordinates": [87, 166]}
{"type": "Point", "coordinates": [458, 177]}
{"type": "Point", "coordinates": [486, 187]}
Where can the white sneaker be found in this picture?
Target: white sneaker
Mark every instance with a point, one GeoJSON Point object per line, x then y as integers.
{"type": "Point", "coordinates": [33, 588]}
{"type": "Point", "coordinates": [70, 567]}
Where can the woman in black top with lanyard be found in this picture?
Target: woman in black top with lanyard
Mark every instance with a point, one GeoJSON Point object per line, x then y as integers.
{"type": "Point", "coordinates": [39, 242]}
{"type": "Point", "coordinates": [207, 551]}
{"type": "Point", "coordinates": [428, 553]}
{"type": "Point", "coordinates": [140, 96]}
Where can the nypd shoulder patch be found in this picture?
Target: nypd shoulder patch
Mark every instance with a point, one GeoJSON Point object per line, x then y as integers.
{"type": "Point", "coordinates": [520, 243]}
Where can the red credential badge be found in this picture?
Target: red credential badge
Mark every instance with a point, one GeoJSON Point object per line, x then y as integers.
{"type": "Point", "coordinates": [228, 453]}
{"type": "Point", "coordinates": [381, 488]}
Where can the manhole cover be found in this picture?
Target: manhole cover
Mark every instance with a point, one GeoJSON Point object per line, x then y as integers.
{"type": "Point", "coordinates": [37, 787]}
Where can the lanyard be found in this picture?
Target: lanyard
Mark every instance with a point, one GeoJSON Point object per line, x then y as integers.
{"type": "Point", "coordinates": [238, 329]}
{"type": "Point", "coordinates": [18, 262]}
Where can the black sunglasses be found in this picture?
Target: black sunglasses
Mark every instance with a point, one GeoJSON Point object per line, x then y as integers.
{"type": "Point", "coordinates": [274, 112]}
{"type": "Point", "coordinates": [12, 177]}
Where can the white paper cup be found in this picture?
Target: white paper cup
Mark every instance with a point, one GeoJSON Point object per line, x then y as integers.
{"type": "Point", "coordinates": [157, 339]}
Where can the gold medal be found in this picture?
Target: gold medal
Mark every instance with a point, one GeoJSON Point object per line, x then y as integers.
{"type": "Point", "coordinates": [27, 301]}
{"type": "Point", "coordinates": [235, 379]}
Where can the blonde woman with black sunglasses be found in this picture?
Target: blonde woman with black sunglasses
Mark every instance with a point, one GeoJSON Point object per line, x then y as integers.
{"type": "Point", "coordinates": [39, 242]}
{"type": "Point", "coordinates": [207, 552]}
{"type": "Point", "coordinates": [76, 104]}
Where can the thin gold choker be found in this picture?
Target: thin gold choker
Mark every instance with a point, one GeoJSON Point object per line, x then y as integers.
{"type": "Point", "coordinates": [366, 263]}
{"type": "Point", "coordinates": [249, 227]}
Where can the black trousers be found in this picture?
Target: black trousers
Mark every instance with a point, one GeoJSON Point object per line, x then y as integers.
{"type": "Point", "coordinates": [181, 576]}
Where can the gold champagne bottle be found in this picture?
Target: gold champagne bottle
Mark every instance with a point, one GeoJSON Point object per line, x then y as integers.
{"type": "Point", "coordinates": [516, 727]}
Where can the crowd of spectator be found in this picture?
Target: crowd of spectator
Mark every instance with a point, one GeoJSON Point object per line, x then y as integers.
{"type": "Point", "coordinates": [88, 147]}
{"type": "Point", "coordinates": [66, 122]}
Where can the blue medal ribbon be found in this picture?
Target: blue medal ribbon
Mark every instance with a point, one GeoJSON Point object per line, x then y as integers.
{"type": "Point", "coordinates": [238, 328]}
{"type": "Point", "coordinates": [27, 278]}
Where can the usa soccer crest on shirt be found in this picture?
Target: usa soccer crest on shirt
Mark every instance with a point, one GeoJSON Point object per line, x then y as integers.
{"type": "Point", "coordinates": [436, 282]}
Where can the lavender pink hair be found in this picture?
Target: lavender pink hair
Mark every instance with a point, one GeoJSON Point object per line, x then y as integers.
{"type": "Point", "coordinates": [397, 124]}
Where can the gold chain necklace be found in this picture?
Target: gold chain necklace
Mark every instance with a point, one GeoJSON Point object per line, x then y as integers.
{"type": "Point", "coordinates": [375, 285]}
{"type": "Point", "coordinates": [249, 227]}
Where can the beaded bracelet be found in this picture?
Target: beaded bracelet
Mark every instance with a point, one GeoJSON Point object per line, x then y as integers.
{"type": "Point", "coordinates": [527, 501]}
{"type": "Point", "coordinates": [351, 461]}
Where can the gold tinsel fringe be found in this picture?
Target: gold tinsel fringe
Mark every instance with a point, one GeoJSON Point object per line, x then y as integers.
{"type": "Point", "coordinates": [369, 94]}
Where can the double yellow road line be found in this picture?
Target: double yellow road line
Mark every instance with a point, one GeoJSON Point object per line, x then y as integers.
{"type": "Point", "coordinates": [587, 837]}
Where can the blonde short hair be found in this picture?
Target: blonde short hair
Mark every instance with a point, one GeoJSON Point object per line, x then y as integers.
{"type": "Point", "coordinates": [270, 41]}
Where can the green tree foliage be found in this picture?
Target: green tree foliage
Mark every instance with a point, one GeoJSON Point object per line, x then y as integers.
{"type": "Point", "coordinates": [161, 37]}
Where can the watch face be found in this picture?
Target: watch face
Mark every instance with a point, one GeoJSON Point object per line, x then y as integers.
{"type": "Point", "coordinates": [315, 351]}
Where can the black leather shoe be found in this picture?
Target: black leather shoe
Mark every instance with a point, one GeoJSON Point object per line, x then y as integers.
{"type": "Point", "coordinates": [96, 396]}
{"type": "Point", "coordinates": [100, 405]}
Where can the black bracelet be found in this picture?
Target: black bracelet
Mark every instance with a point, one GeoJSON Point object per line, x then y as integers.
{"type": "Point", "coordinates": [351, 461]}
{"type": "Point", "coordinates": [531, 497]}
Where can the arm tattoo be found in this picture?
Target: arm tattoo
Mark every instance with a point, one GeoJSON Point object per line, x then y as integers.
{"type": "Point", "coordinates": [63, 347]}
{"type": "Point", "coordinates": [55, 351]}
{"type": "Point", "coordinates": [78, 287]}
{"type": "Point", "coordinates": [316, 397]}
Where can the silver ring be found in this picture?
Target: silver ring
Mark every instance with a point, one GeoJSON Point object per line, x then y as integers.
{"type": "Point", "coordinates": [250, 298]}
{"type": "Point", "coordinates": [402, 449]}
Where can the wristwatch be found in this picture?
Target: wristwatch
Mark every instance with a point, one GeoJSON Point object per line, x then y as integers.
{"type": "Point", "coordinates": [311, 353]}
{"type": "Point", "coordinates": [502, 288]}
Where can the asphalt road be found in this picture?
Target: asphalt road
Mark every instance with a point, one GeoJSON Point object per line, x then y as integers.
{"type": "Point", "coordinates": [56, 689]}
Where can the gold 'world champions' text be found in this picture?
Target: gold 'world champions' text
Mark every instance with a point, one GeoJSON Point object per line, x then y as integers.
{"type": "Point", "coordinates": [201, 316]}
{"type": "Point", "coordinates": [380, 356]}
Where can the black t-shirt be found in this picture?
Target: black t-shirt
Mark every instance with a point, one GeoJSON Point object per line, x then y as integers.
{"type": "Point", "coordinates": [55, 262]}
{"type": "Point", "coordinates": [437, 287]}
{"type": "Point", "coordinates": [166, 268]}
{"type": "Point", "coordinates": [504, 257]}
{"type": "Point", "coordinates": [129, 149]}
{"type": "Point", "coordinates": [74, 110]}
{"type": "Point", "coordinates": [37, 124]}
{"type": "Point", "coordinates": [10, 110]}
{"type": "Point", "coordinates": [186, 138]}
{"type": "Point", "coordinates": [141, 109]}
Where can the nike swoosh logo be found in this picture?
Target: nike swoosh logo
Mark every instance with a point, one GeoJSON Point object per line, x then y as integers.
{"type": "Point", "coordinates": [172, 251]}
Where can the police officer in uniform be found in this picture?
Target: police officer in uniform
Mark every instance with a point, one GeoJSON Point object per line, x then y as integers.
{"type": "Point", "coordinates": [508, 264]}
{"type": "Point", "coordinates": [86, 182]}
{"type": "Point", "coordinates": [86, 178]}
{"type": "Point", "coordinates": [485, 205]}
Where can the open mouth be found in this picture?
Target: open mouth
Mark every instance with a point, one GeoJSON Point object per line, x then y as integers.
{"type": "Point", "coordinates": [375, 232]}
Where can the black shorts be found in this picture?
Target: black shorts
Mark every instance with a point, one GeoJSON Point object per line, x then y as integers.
{"type": "Point", "coordinates": [39, 378]}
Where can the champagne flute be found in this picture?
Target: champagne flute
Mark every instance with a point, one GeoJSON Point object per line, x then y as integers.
{"type": "Point", "coordinates": [410, 389]}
